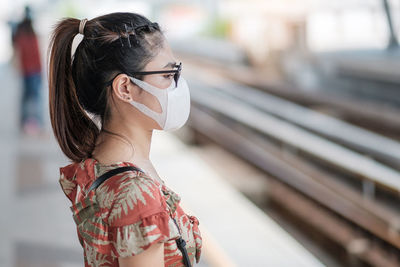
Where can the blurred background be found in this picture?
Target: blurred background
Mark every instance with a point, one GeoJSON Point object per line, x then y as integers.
{"type": "Point", "coordinates": [295, 116]}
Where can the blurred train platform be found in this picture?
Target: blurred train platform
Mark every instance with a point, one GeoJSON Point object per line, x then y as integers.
{"type": "Point", "coordinates": [37, 226]}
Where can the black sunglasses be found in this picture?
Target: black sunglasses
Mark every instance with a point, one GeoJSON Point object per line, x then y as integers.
{"type": "Point", "coordinates": [176, 75]}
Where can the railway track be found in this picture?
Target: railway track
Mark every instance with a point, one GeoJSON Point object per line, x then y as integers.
{"type": "Point", "coordinates": [328, 187]}
{"type": "Point", "coordinates": [382, 119]}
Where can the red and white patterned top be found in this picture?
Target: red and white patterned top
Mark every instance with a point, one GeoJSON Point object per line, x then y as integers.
{"type": "Point", "coordinates": [126, 214]}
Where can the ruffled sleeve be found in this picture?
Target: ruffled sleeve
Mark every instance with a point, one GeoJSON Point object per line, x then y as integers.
{"type": "Point", "coordinates": [123, 217]}
{"type": "Point", "coordinates": [130, 240]}
{"type": "Point", "coordinates": [138, 216]}
{"type": "Point", "coordinates": [197, 236]}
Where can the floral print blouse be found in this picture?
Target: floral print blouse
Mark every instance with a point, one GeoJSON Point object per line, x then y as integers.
{"type": "Point", "coordinates": [126, 214]}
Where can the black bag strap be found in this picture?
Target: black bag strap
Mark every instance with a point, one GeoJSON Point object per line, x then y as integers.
{"type": "Point", "coordinates": [110, 174]}
{"type": "Point", "coordinates": [180, 242]}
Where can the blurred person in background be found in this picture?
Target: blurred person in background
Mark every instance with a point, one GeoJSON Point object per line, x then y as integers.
{"type": "Point", "coordinates": [26, 47]}
{"type": "Point", "coordinates": [121, 83]}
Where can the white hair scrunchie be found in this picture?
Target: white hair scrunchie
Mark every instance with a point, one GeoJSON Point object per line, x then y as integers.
{"type": "Point", "coordinates": [82, 25]}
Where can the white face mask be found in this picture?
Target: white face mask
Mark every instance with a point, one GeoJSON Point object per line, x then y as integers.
{"type": "Point", "coordinates": [175, 103]}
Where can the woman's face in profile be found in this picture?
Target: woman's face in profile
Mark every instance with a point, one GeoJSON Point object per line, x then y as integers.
{"type": "Point", "coordinates": [164, 60]}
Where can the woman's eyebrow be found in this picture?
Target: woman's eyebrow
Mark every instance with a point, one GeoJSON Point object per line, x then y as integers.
{"type": "Point", "coordinates": [170, 64]}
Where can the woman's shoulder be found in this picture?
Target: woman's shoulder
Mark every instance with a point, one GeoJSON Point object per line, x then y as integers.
{"type": "Point", "coordinates": [128, 196]}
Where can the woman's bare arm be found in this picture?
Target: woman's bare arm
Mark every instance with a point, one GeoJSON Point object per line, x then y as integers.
{"type": "Point", "coordinates": [151, 257]}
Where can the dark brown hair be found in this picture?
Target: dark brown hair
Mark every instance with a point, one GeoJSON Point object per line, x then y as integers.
{"type": "Point", "coordinates": [112, 43]}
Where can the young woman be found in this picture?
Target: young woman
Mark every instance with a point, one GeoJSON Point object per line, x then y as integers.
{"type": "Point", "coordinates": [105, 101]}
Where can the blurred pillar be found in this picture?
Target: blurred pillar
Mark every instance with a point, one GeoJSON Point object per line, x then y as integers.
{"type": "Point", "coordinates": [393, 43]}
{"type": "Point", "coordinates": [212, 6]}
{"type": "Point", "coordinates": [299, 32]}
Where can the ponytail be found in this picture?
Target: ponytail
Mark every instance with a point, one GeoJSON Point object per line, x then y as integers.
{"type": "Point", "coordinates": [75, 132]}
{"type": "Point", "coordinates": [119, 42]}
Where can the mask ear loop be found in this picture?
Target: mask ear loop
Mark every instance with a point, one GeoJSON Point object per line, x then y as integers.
{"type": "Point", "coordinates": [160, 118]}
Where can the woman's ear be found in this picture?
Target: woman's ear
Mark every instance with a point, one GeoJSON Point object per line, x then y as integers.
{"type": "Point", "coordinates": [123, 87]}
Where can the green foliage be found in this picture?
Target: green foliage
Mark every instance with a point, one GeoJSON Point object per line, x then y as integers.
{"type": "Point", "coordinates": [217, 28]}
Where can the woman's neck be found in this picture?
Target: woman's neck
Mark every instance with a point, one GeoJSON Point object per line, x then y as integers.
{"type": "Point", "coordinates": [132, 143]}
{"type": "Point", "coordinates": [111, 148]}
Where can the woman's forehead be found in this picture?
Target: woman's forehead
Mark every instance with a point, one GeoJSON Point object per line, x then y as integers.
{"type": "Point", "coordinates": [162, 60]}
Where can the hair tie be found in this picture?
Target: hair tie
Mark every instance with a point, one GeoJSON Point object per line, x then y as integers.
{"type": "Point", "coordinates": [82, 25]}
